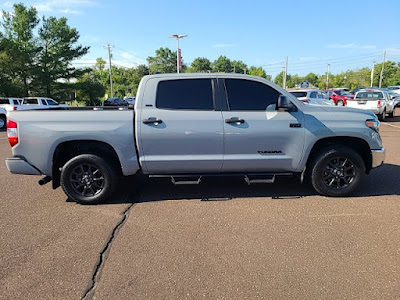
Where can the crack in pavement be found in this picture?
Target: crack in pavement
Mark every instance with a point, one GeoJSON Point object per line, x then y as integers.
{"type": "Point", "coordinates": [88, 294]}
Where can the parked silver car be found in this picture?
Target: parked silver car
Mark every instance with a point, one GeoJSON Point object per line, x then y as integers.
{"type": "Point", "coordinates": [312, 96]}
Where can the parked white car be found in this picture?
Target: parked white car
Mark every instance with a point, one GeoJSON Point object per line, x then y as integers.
{"type": "Point", "coordinates": [394, 88]}
{"type": "Point", "coordinates": [10, 103]}
{"type": "Point", "coordinates": [312, 96]}
{"type": "Point", "coordinates": [41, 103]}
{"type": "Point", "coordinates": [376, 100]}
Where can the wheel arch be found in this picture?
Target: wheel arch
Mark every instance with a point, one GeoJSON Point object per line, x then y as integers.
{"type": "Point", "coordinates": [358, 144]}
{"type": "Point", "coordinates": [69, 149]}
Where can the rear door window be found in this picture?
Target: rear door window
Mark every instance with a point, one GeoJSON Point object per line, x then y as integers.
{"type": "Point", "coordinates": [244, 95]}
{"type": "Point", "coordinates": [44, 102]}
{"type": "Point", "coordinates": [188, 94]}
{"type": "Point", "coordinates": [16, 102]}
{"type": "Point", "coordinates": [31, 101]}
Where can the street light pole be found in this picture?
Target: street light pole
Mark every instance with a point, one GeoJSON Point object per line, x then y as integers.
{"type": "Point", "coordinates": [109, 60]}
{"type": "Point", "coordinates": [177, 36]}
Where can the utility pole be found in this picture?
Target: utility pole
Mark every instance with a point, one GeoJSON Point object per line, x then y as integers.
{"type": "Point", "coordinates": [285, 72]}
{"type": "Point", "coordinates": [383, 68]}
{"type": "Point", "coordinates": [109, 60]}
{"type": "Point", "coordinates": [327, 76]}
{"type": "Point", "coordinates": [178, 51]}
{"type": "Point", "coordinates": [372, 73]}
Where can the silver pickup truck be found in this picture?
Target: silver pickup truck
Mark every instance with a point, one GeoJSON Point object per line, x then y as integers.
{"type": "Point", "coordinates": [186, 126]}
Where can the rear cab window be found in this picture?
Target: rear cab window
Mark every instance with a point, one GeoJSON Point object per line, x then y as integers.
{"type": "Point", "coordinates": [31, 101]}
{"type": "Point", "coordinates": [185, 94]}
{"type": "Point", "coordinates": [299, 94]}
{"type": "Point", "coordinates": [369, 95]}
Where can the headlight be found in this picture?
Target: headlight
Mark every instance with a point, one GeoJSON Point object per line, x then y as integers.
{"type": "Point", "coordinates": [373, 124]}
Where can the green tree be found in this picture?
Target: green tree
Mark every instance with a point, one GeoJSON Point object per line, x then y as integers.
{"type": "Point", "coordinates": [312, 78]}
{"type": "Point", "coordinates": [200, 65]}
{"type": "Point", "coordinates": [222, 64]}
{"type": "Point", "coordinates": [163, 62]}
{"type": "Point", "coordinates": [238, 66]}
{"type": "Point", "coordinates": [21, 45]}
{"type": "Point", "coordinates": [89, 89]}
{"type": "Point", "coordinates": [258, 71]}
{"type": "Point", "coordinates": [59, 47]}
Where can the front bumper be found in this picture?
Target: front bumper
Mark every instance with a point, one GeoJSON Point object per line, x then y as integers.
{"type": "Point", "coordinates": [18, 165]}
{"type": "Point", "coordinates": [378, 156]}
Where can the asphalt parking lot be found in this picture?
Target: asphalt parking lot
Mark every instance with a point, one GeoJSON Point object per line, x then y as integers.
{"type": "Point", "coordinates": [219, 240]}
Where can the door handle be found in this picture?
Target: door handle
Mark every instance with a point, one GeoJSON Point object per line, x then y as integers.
{"type": "Point", "coordinates": [234, 120]}
{"type": "Point", "coordinates": [154, 121]}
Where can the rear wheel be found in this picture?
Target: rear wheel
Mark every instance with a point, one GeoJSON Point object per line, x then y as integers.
{"type": "Point", "coordinates": [340, 103]}
{"type": "Point", "coordinates": [337, 171]}
{"type": "Point", "coordinates": [382, 116]}
{"type": "Point", "coordinates": [88, 179]}
{"type": "Point", "coordinates": [3, 122]}
{"type": "Point", "coordinates": [391, 115]}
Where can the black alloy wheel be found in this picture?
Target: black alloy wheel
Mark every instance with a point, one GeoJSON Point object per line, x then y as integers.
{"type": "Point", "coordinates": [89, 179]}
{"type": "Point", "coordinates": [336, 171]}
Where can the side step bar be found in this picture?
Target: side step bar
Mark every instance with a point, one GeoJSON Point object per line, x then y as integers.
{"type": "Point", "coordinates": [259, 179]}
{"type": "Point", "coordinates": [185, 180]}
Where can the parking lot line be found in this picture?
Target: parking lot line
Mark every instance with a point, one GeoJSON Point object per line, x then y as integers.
{"type": "Point", "coordinates": [391, 125]}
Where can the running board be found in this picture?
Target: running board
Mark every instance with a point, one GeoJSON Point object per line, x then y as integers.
{"type": "Point", "coordinates": [252, 179]}
{"type": "Point", "coordinates": [185, 180]}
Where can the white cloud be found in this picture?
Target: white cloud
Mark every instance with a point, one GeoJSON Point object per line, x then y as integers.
{"type": "Point", "coordinates": [393, 51]}
{"type": "Point", "coordinates": [351, 46]}
{"type": "Point", "coordinates": [127, 55]}
{"type": "Point", "coordinates": [224, 45]}
{"type": "Point", "coordinates": [69, 7]}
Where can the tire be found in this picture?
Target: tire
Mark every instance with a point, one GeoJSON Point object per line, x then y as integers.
{"type": "Point", "coordinates": [391, 115]}
{"type": "Point", "coordinates": [3, 122]}
{"type": "Point", "coordinates": [382, 116]}
{"type": "Point", "coordinates": [337, 171]}
{"type": "Point", "coordinates": [88, 179]}
{"type": "Point", "coordinates": [340, 103]}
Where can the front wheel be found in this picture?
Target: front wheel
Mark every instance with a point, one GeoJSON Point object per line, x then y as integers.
{"type": "Point", "coordinates": [337, 171]}
{"type": "Point", "coordinates": [340, 103]}
{"type": "Point", "coordinates": [88, 179]}
{"type": "Point", "coordinates": [2, 122]}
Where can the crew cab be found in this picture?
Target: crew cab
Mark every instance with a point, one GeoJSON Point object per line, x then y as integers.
{"type": "Point", "coordinates": [188, 126]}
{"type": "Point", "coordinates": [376, 100]}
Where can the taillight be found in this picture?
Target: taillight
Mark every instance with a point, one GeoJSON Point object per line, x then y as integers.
{"type": "Point", "coordinates": [305, 101]}
{"type": "Point", "coordinates": [14, 108]}
{"type": "Point", "coordinates": [379, 104]}
{"type": "Point", "coordinates": [12, 132]}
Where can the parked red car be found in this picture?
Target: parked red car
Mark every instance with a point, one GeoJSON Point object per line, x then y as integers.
{"type": "Point", "coordinates": [339, 96]}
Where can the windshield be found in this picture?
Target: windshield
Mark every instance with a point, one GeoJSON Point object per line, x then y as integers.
{"type": "Point", "coordinates": [299, 94]}
{"type": "Point", "coordinates": [342, 93]}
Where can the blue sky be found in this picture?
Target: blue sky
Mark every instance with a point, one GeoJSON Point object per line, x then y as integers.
{"type": "Point", "coordinates": [346, 34]}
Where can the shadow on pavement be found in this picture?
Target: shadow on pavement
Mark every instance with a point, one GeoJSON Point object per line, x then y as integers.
{"type": "Point", "coordinates": [383, 181]}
